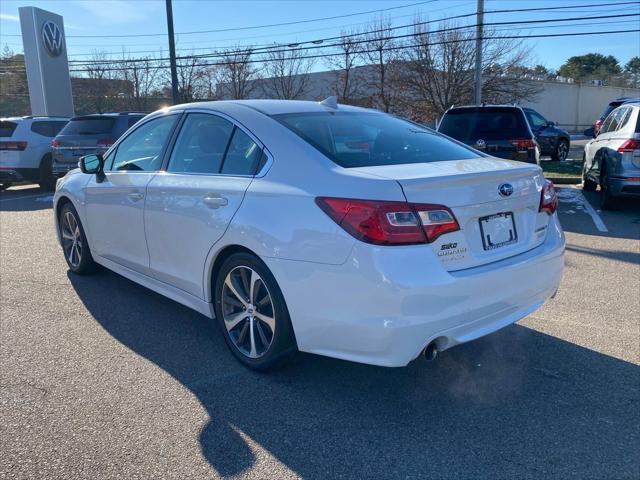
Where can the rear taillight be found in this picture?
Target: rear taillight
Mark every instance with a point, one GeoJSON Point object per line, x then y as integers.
{"type": "Point", "coordinates": [629, 145]}
{"type": "Point", "coordinates": [548, 198]}
{"type": "Point", "coordinates": [19, 146]}
{"type": "Point", "coordinates": [54, 143]}
{"type": "Point", "coordinates": [106, 142]}
{"type": "Point", "coordinates": [596, 126]}
{"type": "Point", "coordinates": [389, 223]}
{"type": "Point", "coordinates": [523, 143]}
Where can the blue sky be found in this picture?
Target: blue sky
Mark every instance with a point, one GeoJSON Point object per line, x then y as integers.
{"type": "Point", "coordinates": [103, 18]}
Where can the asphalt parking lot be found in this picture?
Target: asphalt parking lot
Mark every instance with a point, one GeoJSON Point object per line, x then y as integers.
{"type": "Point", "coordinates": [101, 378]}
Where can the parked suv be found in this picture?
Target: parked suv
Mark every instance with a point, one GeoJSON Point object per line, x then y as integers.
{"type": "Point", "coordinates": [25, 149]}
{"type": "Point", "coordinates": [595, 130]}
{"type": "Point", "coordinates": [89, 134]}
{"type": "Point", "coordinates": [498, 130]}
{"type": "Point", "coordinates": [612, 159]}
{"type": "Point", "coordinates": [552, 140]}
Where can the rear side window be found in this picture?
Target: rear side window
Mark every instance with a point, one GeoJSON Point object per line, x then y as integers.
{"type": "Point", "coordinates": [243, 155]}
{"type": "Point", "coordinates": [355, 139]}
{"type": "Point", "coordinates": [88, 126]}
{"type": "Point", "coordinates": [470, 124]}
{"type": "Point", "coordinates": [201, 144]}
{"type": "Point", "coordinates": [624, 118]}
{"type": "Point", "coordinates": [7, 128]}
{"type": "Point", "coordinates": [48, 128]}
{"type": "Point", "coordinates": [612, 121]}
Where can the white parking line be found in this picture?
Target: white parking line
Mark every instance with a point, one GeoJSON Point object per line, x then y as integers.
{"type": "Point", "coordinates": [575, 197]}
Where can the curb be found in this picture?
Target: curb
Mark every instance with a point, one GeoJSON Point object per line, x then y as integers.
{"type": "Point", "coordinates": [565, 180]}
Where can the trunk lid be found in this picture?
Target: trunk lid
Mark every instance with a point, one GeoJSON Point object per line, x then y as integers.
{"type": "Point", "coordinates": [493, 225]}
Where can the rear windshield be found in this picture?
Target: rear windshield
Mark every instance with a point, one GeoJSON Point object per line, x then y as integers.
{"type": "Point", "coordinates": [7, 128]}
{"type": "Point", "coordinates": [354, 139]}
{"type": "Point", "coordinates": [88, 126]}
{"type": "Point", "coordinates": [469, 125]}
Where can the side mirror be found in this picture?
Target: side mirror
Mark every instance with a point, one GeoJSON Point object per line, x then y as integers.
{"type": "Point", "coordinates": [91, 164]}
{"type": "Point", "coordinates": [551, 124]}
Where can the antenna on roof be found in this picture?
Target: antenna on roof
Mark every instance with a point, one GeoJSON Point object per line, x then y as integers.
{"type": "Point", "coordinates": [330, 102]}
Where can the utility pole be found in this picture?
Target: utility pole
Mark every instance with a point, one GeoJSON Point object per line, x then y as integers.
{"type": "Point", "coordinates": [477, 92]}
{"type": "Point", "coordinates": [172, 54]}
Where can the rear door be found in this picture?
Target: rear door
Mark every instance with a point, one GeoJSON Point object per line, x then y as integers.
{"type": "Point", "coordinates": [498, 131]}
{"type": "Point", "coordinates": [115, 205]}
{"type": "Point", "coordinates": [190, 206]}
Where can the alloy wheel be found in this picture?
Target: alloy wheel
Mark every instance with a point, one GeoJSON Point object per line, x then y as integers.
{"type": "Point", "coordinates": [562, 151]}
{"type": "Point", "coordinates": [71, 239]}
{"type": "Point", "coordinates": [248, 312]}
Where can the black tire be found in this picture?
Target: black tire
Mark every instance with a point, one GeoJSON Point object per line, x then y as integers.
{"type": "Point", "coordinates": [561, 152]}
{"type": "Point", "coordinates": [607, 200]}
{"type": "Point", "coordinates": [587, 184]}
{"type": "Point", "coordinates": [282, 341]}
{"type": "Point", "coordinates": [85, 264]}
{"type": "Point", "coordinates": [46, 180]}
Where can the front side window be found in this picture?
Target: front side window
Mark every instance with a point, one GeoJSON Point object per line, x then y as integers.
{"type": "Point", "coordinates": [201, 144]}
{"type": "Point", "coordinates": [355, 139]}
{"type": "Point", "coordinates": [536, 120]}
{"type": "Point", "coordinates": [141, 151]}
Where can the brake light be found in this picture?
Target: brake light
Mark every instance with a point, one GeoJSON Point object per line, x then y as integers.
{"type": "Point", "coordinates": [54, 143]}
{"type": "Point", "coordinates": [523, 143]}
{"type": "Point", "coordinates": [389, 223]}
{"type": "Point", "coordinates": [597, 125]}
{"type": "Point", "coordinates": [16, 146]}
{"type": "Point", "coordinates": [548, 198]}
{"type": "Point", "coordinates": [106, 142]}
{"type": "Point", "coordinates": [629, 145]}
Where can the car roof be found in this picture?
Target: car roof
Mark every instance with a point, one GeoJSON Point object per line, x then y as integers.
{"type": "Point", "coordinates": [456, 107]}
{"type": "Point", "coordinates": [271, 107]}
{"type": "Point", "coordinates": [108, 115]}
{"type": "Point", "coordinates": [30, 117]}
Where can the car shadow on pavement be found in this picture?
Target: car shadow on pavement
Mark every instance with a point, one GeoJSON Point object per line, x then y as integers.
{"type": "Point", "coordinates": [516, 404]}
{"type": "Point", "coordinates": [25, 199]}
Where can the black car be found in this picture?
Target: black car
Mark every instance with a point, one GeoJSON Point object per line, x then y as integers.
{"type": "Point", "coordinates": [552, 140]}
{"type": "Point", "coordinates": [88, 134]}
{"type": "Point", "coordinates": [498, 130]}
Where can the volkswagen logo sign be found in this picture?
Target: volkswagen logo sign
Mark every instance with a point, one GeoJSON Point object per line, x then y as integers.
{"type": "Point", "coordinates": [505, 190]}
{"type": "Point", "coordinates": [52, 38]}
{"type": "Point", "coordinates": [480, 143]}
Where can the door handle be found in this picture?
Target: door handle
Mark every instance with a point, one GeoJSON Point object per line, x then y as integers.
{"type": "Point", "coordinates": [214, 201]}
{"type": "Point", "coordinates": [135, 196]}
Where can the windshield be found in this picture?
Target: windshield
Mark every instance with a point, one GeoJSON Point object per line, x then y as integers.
{"type": "Point", "coordinates": [354, 139]}
{"type": "Point", "coordinates": [88, 126]}
{"type": "Point", "coordinates": [470, 124]}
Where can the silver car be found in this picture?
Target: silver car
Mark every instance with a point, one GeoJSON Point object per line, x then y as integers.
{"type": "Point", "coordinates": [612, 159]}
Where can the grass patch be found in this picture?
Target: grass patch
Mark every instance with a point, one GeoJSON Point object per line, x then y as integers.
{"type": "Point", "coordinates": [568, 168]}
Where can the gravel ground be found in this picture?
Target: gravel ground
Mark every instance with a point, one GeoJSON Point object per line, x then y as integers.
{"type": "Point", "coordinates": [101, 378]}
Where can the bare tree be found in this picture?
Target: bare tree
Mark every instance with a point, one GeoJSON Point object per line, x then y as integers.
{"type": "Point", "coordinates": [438, 69]}
{"type": "Point", "coordinates": [237, 73]}
{"type": "Point", "coordinates": [193, 78]}
{"type": "Point", "coordinates": [286, 73]}
{"type": "Point", "coordinates": [141, 78]}
{"type": "Point", "coordinates": [99, 94]}
{"type": "Point", "coordinates": [348, 85]}
{"type": "Point", "coordinates": [380, 53]}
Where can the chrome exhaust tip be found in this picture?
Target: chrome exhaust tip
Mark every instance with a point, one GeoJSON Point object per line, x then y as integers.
{"type": "Point", "coordinates": [430, 353]}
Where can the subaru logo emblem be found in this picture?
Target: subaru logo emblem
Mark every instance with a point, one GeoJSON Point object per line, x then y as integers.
{"type": "Point", "coordinates": [505, 190]}
{"type": "Point", "coordinates": [480, 143]}
{"type": "Point", "coordinates": [52, 38]}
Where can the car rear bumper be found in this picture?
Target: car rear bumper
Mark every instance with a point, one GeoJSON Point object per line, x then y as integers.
{"type": "Point", "coordinates": [386, 304]}
{"type": "Point", "coordinates": [625, 186]}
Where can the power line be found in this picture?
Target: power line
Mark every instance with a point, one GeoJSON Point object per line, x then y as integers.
{"type": "Point", "coordinates": [363, 39]}
{"type": "Point", "coordinates": [505, 37]}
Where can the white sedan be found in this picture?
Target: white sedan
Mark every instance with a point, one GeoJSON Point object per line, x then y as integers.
{"type": "Point", "coordinates": [316, 227]}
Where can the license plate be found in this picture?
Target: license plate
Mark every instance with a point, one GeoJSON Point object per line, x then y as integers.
{"type": "Point", "coordinates": [498, 230]}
